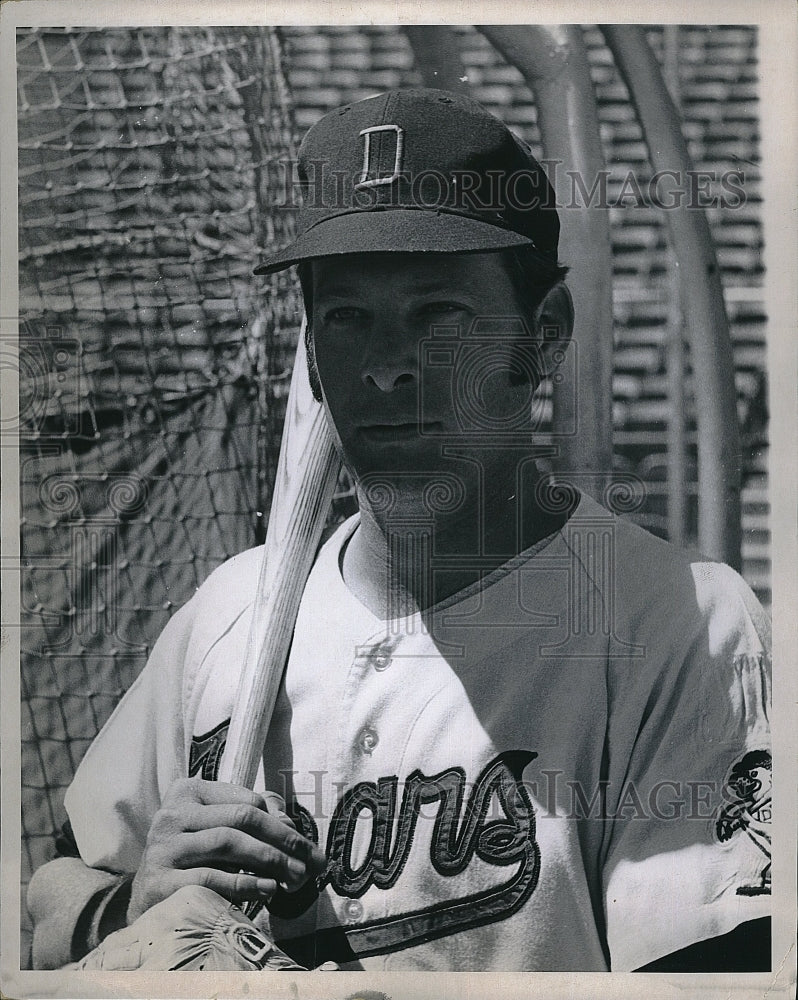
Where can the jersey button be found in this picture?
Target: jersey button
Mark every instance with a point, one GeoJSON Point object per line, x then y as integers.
{"type": "Point", "coordinates": [368, 740]}
{"type": "Point", "coordinates": [353, 909]}
{"type": "Point", "coordinates": [381, 661]}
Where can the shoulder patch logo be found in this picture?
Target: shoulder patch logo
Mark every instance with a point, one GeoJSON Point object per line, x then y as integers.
{"type": "Point", "coordinates": [748, 790]}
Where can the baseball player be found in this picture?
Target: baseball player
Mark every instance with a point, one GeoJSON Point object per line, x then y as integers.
{"type": "Point", "coordinates": [510, 719]}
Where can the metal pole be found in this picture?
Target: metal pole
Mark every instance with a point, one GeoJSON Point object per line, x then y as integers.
{"type": "Point", "coordinates": [676, 457]}
{"type": "Point", "coordinates": [553, 62]}
{"type": "Point", "coordinates": [437, 56]}
{"type": "Point", "coordinates": [711, 350]}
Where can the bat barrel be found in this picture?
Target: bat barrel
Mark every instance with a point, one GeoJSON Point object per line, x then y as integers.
{"type": "Point", "coordinates": [307, 472]}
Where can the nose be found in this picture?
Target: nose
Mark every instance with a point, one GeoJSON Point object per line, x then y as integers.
{"type": "Point", "coordinates": [387, 378]}
{"type": "Point", "coordinates": [390, 361]}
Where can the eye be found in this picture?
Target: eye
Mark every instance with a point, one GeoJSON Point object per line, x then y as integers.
{"type": "Point", "coordinates": [343, 314]}
{"type": "Point", "coordinates": [443, 308]}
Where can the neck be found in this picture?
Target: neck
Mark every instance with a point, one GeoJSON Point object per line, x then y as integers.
{"type": "Point", "coordinates": [424, 546]}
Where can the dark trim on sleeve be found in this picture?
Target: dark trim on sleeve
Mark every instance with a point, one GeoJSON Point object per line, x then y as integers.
{"type": "Point", "coordinates": [745, 949]}
{"type": "Point", "coordinates": [105, 913]}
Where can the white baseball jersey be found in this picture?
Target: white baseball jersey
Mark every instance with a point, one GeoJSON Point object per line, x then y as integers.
{"type": "Point", "coordinates": [564, 767]}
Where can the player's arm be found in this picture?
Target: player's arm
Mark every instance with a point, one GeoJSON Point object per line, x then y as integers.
{"type": "Point", "coordinates": [142, 828]}
{"type": "Point", "coordinates": [72, 908]}
{"type": "Point", "coordinates": [745, 949]}
{"type": "Point", "coordinates": [219, 836]}
{"type": "Point", "coordinates": [687, 882]}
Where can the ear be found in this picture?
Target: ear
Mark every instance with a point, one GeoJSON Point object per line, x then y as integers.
{"type": "Point", "coordinates": [554, 325]}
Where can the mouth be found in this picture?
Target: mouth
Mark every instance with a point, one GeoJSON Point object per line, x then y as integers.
{"type": "Point", "coordinates": [399, 431]}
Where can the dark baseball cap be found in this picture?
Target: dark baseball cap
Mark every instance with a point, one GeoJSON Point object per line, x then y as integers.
{"type": "Point", "coordinates": [417, 171]}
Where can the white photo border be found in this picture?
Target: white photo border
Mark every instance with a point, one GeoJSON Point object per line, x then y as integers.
{"type": "Point", "coordinates": [778, 32]}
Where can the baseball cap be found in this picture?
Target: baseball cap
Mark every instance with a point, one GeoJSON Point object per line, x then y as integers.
{"type": "Point", "coordinates": [417, 171]}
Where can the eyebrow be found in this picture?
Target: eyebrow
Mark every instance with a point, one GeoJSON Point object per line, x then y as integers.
{"type": "Point", "coordinates": [424, 288]}
{"type": "Point", "coordinates": [335, 290]}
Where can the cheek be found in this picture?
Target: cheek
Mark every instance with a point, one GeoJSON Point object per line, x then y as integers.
{"type": "Point", "coordinates": [338, 369]}
{"type": "Point", "coordinates": [484, 382]}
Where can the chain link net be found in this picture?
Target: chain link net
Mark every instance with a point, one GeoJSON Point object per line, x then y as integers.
{"type": "Point", "coordinates": [154, 167]}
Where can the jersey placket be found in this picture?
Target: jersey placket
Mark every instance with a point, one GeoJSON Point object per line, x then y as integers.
{"type": "Point", "coordinates": [366, 751]}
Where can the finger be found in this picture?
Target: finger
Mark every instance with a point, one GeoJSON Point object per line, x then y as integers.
{"type": "Point", "coordinates": [274, 803]}
{"type": "Point", "coordinates": [261, 825]}
{"type": "Point", "coordinates": [238, 887]}
{"type": "Point", "coordinates": [215, 793]}
{"type": "Point", "coordinates": [228, 848]}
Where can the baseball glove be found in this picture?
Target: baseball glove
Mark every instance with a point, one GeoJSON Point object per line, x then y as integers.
{"type": "Point", "coordinates": [193, 929]}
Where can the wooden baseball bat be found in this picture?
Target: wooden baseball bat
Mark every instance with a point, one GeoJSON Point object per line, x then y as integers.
{"type": "Point", "coordinates": [307, 471]}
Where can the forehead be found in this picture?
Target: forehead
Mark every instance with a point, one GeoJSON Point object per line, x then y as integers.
{"type": "Point", "coordinates": [412, 273]}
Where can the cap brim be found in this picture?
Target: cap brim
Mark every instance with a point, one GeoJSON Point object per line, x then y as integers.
{"type": "Point", "coordinates": [393, 230]}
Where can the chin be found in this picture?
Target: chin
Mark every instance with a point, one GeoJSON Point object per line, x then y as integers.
{"type": "Point", "coordinates": [421, 455]}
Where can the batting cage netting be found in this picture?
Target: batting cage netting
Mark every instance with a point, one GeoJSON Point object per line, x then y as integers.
{"type": "Point", "coordinates": [153, 367]}
{"type": "Point", "coordinates": [155, 166]}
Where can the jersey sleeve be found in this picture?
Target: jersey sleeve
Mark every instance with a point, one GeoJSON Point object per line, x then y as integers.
{"type": "Point", "coordinates": [688, 855]}
{"type": "Point", "coordinates": [121, 780]}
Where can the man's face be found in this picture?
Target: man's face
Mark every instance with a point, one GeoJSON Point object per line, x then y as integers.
{"type": "Point", "coordinates": [754, 783]}
{"type": "Point", "coordinates": [373, 317]}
